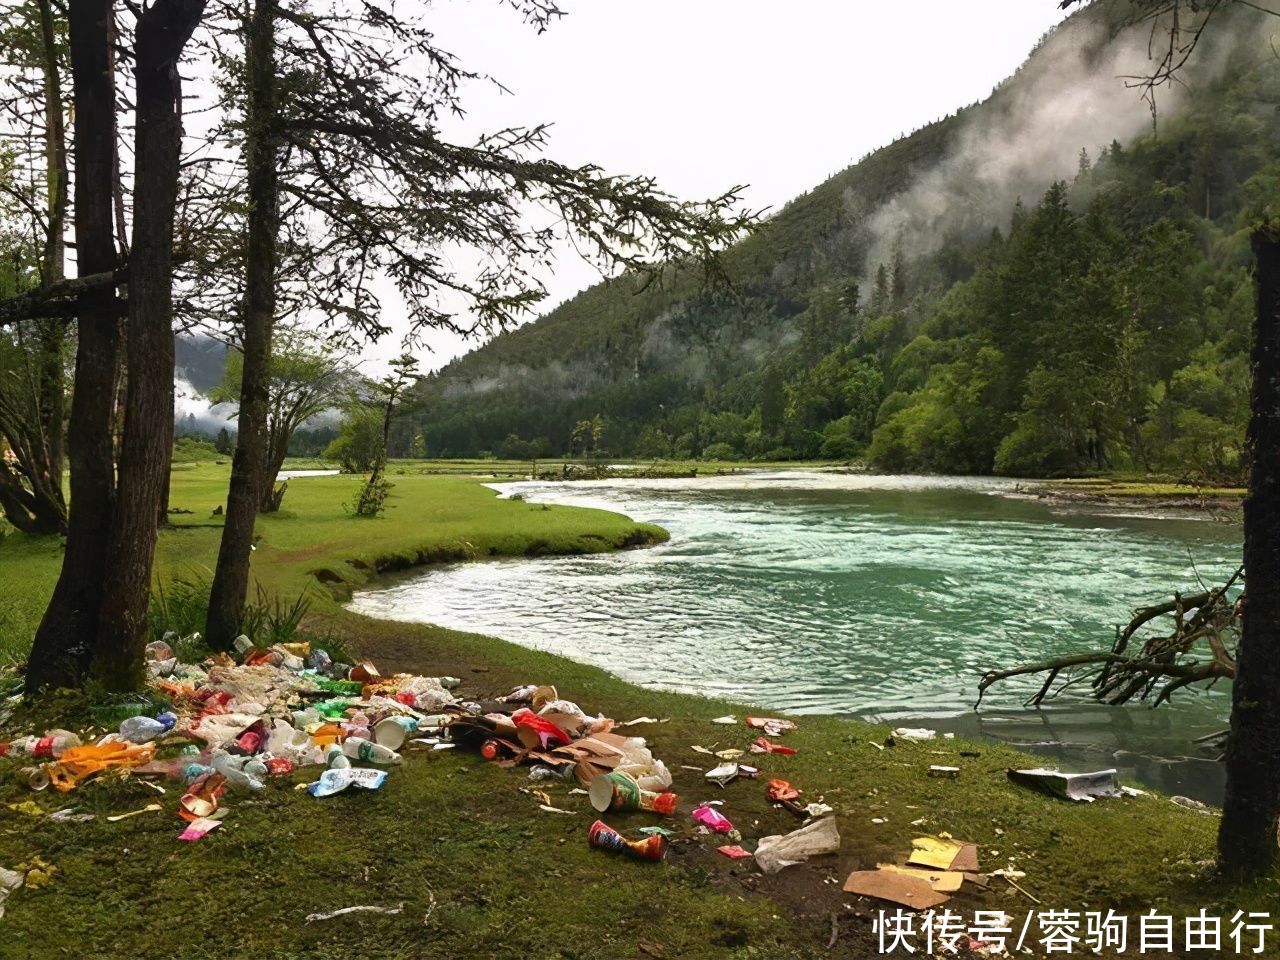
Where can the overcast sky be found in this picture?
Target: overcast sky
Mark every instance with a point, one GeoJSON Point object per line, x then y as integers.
{"type": "Point", "coordinates": [706, 94]}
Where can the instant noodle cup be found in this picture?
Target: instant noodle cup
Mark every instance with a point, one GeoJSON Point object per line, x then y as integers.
{"type": "Point", "coordinates": [619, 792]}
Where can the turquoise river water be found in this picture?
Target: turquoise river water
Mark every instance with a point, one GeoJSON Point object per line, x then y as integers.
{"type": "Point", "coordinates": [883, 598]}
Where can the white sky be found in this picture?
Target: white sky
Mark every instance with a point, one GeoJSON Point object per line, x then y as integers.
{"type": "Point", "coordinates": [706, 94]}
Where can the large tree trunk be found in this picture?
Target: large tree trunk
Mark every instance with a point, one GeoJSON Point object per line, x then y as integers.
{"type": "Point", "coordinates": [52, 508]}
{"type": "Point", "coordinates": [1247, 841]}
{"type": "Point", "coordinates": [231, 577]}
{"type": "Point", "coordinates": [147, 449]}
{"type": "Point", "coordinates": [277, 450]}
{"type": "Point", "coordinates": [55, 149]}
{"type": "Point", "coordinates": [35, 431]}
{"type": "Point", "coordinates": [65, 639]}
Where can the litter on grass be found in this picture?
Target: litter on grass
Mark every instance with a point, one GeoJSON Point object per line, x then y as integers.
{"type": "Point", "coordinates": [776, 852]}
{"type": "Point", "coordinates": [1081, 787]}
{"type": "Point", "coordinates": [313, 917]}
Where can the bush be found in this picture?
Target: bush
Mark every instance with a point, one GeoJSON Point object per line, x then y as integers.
{"type": "Point", "coordinates": [372, 498]}
{"type": "Point", "coordinates": [780, 453]}
{"type": "Point", "coordinates": [192, 450]}
{"type": "Point", "coordinates": [358, 447]}
{"type": "Point", "coordinates": [719, 451]}
{"type": "Point", "coordinates": [270, 620]}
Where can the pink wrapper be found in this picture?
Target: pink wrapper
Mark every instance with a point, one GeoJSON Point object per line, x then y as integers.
{"type": "Point", "coordinates": [712, 819]}
{"type": "Point", "coordinates": [198, 828]}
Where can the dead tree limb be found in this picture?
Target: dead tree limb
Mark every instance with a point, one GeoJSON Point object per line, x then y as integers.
{"type": "Point", "coordinates": [1199, 649]}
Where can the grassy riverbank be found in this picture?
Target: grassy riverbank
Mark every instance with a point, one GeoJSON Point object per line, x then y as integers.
{"type": "Point", "coordinates": [480, 870]}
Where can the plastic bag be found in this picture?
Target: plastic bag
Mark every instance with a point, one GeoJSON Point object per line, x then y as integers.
{"type": "Point", "coordinates": [429, 694]}
{"type": "Point", "coordinates": [784, 850]}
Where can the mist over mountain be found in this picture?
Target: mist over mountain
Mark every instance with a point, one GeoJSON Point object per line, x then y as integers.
{"type": "Point", "coordinates": [861, 309]}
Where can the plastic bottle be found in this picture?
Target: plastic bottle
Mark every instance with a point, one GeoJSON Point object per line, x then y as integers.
{"type": "Point", "coordinates": [335, 758]}
{"type": "Point", "coordinates": [53, 744]}
{"type": "Point", "coordinates": [256, 769]}
{"type": "Point", "coordinates": [302, 719]}
{"type": "Point", "coordinates": [371, 751]}
{"type": "Point", "coordinates": [289, 661]}
{"type": "Point", "coordinates": [237, 776]}
{"type": "Point", "coordinates": [142, 729]}
{"type": "Point", "coordinates": [286, 741]}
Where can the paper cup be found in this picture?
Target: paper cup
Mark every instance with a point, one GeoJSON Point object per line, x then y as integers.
{"type": "Point", "coordinates": [392, 732]}
{"type": "Point", "coordinates": [614, 791]}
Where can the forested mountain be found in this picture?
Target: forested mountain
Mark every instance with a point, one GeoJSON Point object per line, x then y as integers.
{"type": "Point", "coordinates": [1049, 282]}
{"type": "Point", "coordinates": [199, 360]}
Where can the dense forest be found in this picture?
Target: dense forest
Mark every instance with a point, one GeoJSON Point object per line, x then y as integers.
{"type": "Point", "coordinates": [1098, 322]}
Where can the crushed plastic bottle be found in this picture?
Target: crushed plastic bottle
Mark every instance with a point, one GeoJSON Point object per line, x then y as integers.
{"type": "Point", "coordinates": [146, 729]}
{"type": "Point", "coordinates": [237, 770]}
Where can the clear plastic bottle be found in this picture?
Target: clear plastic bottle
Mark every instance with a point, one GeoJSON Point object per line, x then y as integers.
{"type": "Point", "coordinates": [335, 758]}
{"type": "Point", "coordinates": [143, 729]}
{"type": "Point", "coordinates": [233, 768]}
{"type": "Point", "coordinates": [371, 751]}
{"type": "Point", "coordinates": [53, 744]}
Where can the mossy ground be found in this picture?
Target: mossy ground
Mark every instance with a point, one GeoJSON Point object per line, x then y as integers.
{"type": "Point", "coordinates": [1141, 488]}
{"type": "Point", "coordinates": [481, 871]}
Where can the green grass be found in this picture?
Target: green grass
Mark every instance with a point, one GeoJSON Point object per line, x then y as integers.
{"type": "Point", "coordinates": [1144, 488]}
{"type": "Point", "coordinates": [453, 837]}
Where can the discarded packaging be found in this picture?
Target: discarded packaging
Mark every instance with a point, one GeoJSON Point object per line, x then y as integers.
{"type": "Point", "coordinates": [335, 781]}
{"type": "Point", "coordinates": [914, 734]}
{"type": "Point", "coordinates": [908, 891]}
{"type": "Point", "coordinates": [733, 852]}
{"type": "Point", "coordinates": [772, 726]}
{"type": "Point", "coordinates": [604, 837]}
{"type": "Point", "coordinates": [619, 791]}
{"type": "Point", "coordinates": [944, 853]}
{"type": "Point", "coordinates": [724, 774]}
{"type": "Point", "coordinates": [712, 819]}
{"type": "Point", "coordinates": [945, 773]}
{"type": "Point", "coordinates": [198, 828]}
{"type": "Point", "coordinates": [765, 745]}
{"type": "Point", "coordinates": [1081, 787]}
{"type": "Point", "coordinates": [943, 881]}
{"type": "Point", "coordinates": [778, 851]}
{"type": "Point", "coordinates": [781, 790]}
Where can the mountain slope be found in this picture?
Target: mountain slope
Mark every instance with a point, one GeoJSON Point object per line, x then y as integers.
{"type": "Point", "coordinates": [875, 294]}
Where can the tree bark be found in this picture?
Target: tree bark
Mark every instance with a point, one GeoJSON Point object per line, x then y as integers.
{"type": "Point", "coordinates": [147, 449]}
{"type": "Point", "coordinates": [277, 448]}
{"type": "Point", "coordinates": [65, 639]}
{"type": "Point", "coordinates": [35, 431]}
{"type": "Point", "coordinates": [231, 576]}
{"type": "Point", "coordinates": [1247, 839]}
{"type": "Point", "coordinates": [55, 146]}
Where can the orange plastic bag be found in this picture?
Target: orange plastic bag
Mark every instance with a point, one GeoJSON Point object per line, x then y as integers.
{"type": "Point", "coordinates": [80, 763]}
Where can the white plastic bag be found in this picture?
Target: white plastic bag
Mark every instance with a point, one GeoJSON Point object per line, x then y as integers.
{"type": "Point", "coordinates": [780, 850]}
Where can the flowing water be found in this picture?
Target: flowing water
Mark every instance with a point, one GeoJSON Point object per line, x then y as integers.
{"type": "Point", "coordinates": [879, 597]}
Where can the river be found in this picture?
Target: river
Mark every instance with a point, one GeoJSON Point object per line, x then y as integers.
{"type": "Point", "coordinates": [883, 598]}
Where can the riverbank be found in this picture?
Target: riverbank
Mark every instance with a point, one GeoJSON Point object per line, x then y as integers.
{"type": "Point", "coordinates": [455, 840]}
{"type": "Point", "coordinates": [1215, 502]}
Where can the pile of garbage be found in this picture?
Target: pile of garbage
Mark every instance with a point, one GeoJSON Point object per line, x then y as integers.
{"type": "Point", "coordinates": [232, 723]}
{"type": "Point", "coordinates": [236, 722]}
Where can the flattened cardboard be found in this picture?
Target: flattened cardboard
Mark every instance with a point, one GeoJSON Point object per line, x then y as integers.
{"type": "Point", "coordinates": [942, 881]}
{"type": "Point", "coordinates": [896, 888]}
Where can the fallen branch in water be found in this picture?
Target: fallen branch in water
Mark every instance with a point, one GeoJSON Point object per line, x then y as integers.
{"type": "Point", "coordinates": [1200, 649]}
